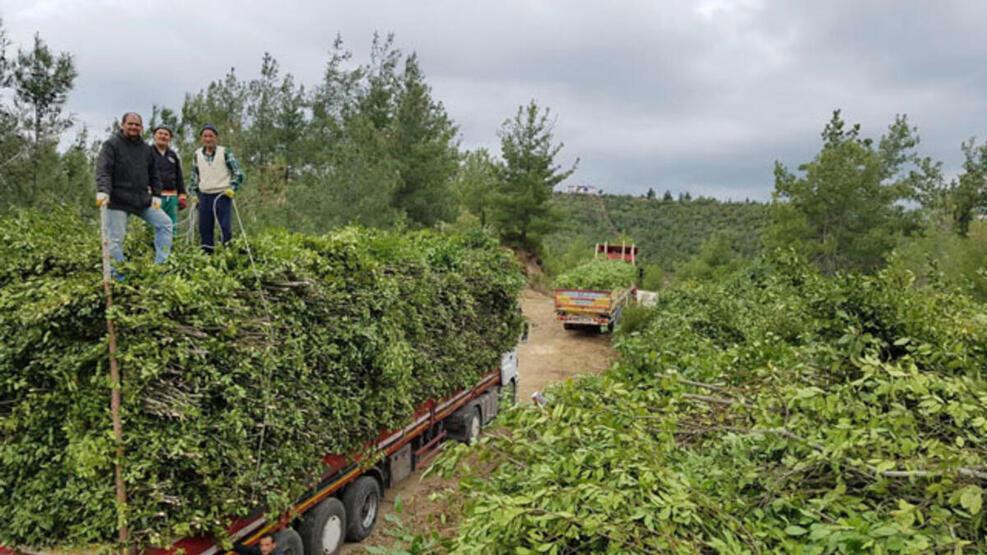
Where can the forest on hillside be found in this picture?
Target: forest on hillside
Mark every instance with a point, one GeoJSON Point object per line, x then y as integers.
{"type": "Point", "coordinates": [669, 232]}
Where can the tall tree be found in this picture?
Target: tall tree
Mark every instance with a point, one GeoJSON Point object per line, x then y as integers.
{"type": "Point", "coordinates": [15, 148]}
{"type": "Point", "coordinates": [262, 98]}
{"type": "Point", "coordinates": [378, 98]}
{"type": "Point", "coordinates": [224, 104]}
{"type": "Point", "coordinates": [527, 176]}
{"type": "Point", "coordinates": [424, 145]}
{"type": "Point", "coordinates": [42, 81]}
{"type": "Point", "coordinates": [844, 212]}
{"type": "Point", "coordinates": [476, 182]}
{"type": "Point", "coordinates": [968, 193]}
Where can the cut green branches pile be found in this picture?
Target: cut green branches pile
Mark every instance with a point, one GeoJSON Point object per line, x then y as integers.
{"type": "Point", "coordinates": [778, 411]}
{"type": "Point", "coordinates": [236, 380]}
{"type": "Point", "coordinates": [602, 275]}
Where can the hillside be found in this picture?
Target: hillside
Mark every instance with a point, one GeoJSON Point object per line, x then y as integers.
{"type": "Point", "coordinates": [668, 232]}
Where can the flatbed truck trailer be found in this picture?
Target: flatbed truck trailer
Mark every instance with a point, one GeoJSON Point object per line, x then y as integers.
{"type": "Point", "coordinates": [344, 503]}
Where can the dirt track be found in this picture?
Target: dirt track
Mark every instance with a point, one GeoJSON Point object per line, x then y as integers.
{"type": "Point", "coordinates": [550, 355]}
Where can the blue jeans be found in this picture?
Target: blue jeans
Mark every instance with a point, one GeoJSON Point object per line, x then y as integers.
{"type": "Point", "coordinates": [213, 208]}
{"type": "Point", "coordinates": [116, 223]}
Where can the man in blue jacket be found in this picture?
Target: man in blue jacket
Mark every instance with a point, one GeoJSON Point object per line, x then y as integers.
{"type": "Point", "coordinates": [128, 184]}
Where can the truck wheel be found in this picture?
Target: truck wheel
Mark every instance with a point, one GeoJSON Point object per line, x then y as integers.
{"type": "Point", "coordinates": [289, 542]}
{"type": "Point", "coordinates": [568, 326]}
{"type": "Point", "coordinates": [362, 503]}
{"type": "Point", "coordinates": [324, 528]}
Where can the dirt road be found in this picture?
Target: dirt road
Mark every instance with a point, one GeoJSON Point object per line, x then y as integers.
{"type": "Point", "coordinates": [550, 355]}
{"type": "Point", "coordinates": [553, 354]}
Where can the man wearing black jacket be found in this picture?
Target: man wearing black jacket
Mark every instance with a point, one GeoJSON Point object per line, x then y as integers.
{"type": "Point", "coordinates": [128, 184]}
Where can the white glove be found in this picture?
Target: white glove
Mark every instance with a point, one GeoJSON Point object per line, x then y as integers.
{"type": "Point", "coordinates": [102, 199]}
{"type": "Point", "coordinates": [156, 203]}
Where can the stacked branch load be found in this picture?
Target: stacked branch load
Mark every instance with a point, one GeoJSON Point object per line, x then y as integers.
{"type": "Point", "coordinates": [600, 275]}
{"type": "Point", "coordinates": [237, 377]}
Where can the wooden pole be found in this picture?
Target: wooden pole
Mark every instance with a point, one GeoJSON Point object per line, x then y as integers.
{"type": "Point", "coordinates": [114, 383]}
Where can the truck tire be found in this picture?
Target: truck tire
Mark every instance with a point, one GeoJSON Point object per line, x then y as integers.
{"type": "Point", "coordinates": [289, 542]}
{"type": "Point", "coordinates": [362, 503]}
{"type": "Point", "coordinates": [323, 528]}
{"type": "Point", "coordinates": [568, 326]}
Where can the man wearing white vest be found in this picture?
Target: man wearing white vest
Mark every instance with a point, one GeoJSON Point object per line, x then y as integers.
{"type": "Point", "coordinates": [216, 176]}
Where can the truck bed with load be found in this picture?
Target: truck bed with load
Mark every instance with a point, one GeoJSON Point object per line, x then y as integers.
{"type": "Point", "coordinates": [592, 307]}
{"type": "Point", "coordinates": [276, 389]}
{"type": "Point", "coordinates": [345, 503]}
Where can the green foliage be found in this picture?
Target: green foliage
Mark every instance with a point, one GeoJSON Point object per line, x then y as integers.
{"type": "Point", "coordinates": [942, 256]}
{"type": "Point", "coordinates": [527, 176]}
{"type": "Point", "coordinates": [635, 318]}
{"type": "Point", "coordinates": [560, 257]}
{"type": "Point", "coordinates": [669, 233]}
{"type": "Point", "coordinates": [777, 411]}
{"type": "Point", "coordinates": [236, 379]}
{"type": "Point", "coordinates": [717, 258]}
{"type": "Point", "coordinates": [41, 82]}
{"type": "Point", "coordinates": [653, 277]}
{"type": "Point", "coordinates": [844, 212]}
{"type": "Point", "coordinates": [475, 184]}
{"type": "Point", "coordinates": [955, 205]}
{"type": "Point", "coordinates": [604, 275]}
{"type": "Point", "coordinates": [424, 144]}
{"type": "Point", "coordinates": [33, 171]}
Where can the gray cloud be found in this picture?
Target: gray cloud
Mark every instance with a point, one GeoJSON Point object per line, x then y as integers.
{"type": "Point", "coordinates": [699, 96]}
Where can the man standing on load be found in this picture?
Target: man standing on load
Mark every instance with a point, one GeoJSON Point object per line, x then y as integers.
{"type": "Point", "coordinates": [170, 171]}
{"type": "Point", "coordinates": [216, 176]}
{"type": "Point", "coordinates": [127, 183]}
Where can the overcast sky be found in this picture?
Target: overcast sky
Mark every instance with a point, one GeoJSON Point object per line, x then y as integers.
{"type": "Point", "coordinates": [699, 96]}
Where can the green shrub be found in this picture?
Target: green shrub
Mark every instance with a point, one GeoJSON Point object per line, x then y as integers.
{"type": "Point", "coordinates": [653, 277]}
{"type": "Point", "coordinates": [942, 255]}
{"type": "Point", "coordinates": [634, 318]}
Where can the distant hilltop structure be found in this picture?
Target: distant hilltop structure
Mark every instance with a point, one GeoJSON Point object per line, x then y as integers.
{"type": "Point", "coordinates": [582, 190]}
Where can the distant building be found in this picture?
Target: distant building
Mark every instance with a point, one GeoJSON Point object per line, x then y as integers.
{"type": "Point", "coordinates": [583, 190]}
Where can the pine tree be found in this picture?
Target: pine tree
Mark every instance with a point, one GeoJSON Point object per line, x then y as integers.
{"type": "Point", "coordinates": [426, 151]}
{"type": "Point", "coordinates": [476, 182]}
{"type": "Point", "coordinates": [528, 175]}
{"type": "Point", "coordinates": [42, 81]}
{"type": "Point", "coordinates": [844, 211]}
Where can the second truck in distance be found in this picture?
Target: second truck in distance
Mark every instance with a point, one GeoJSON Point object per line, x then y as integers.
{"type": "Point", "coordinates": [594, 295]}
